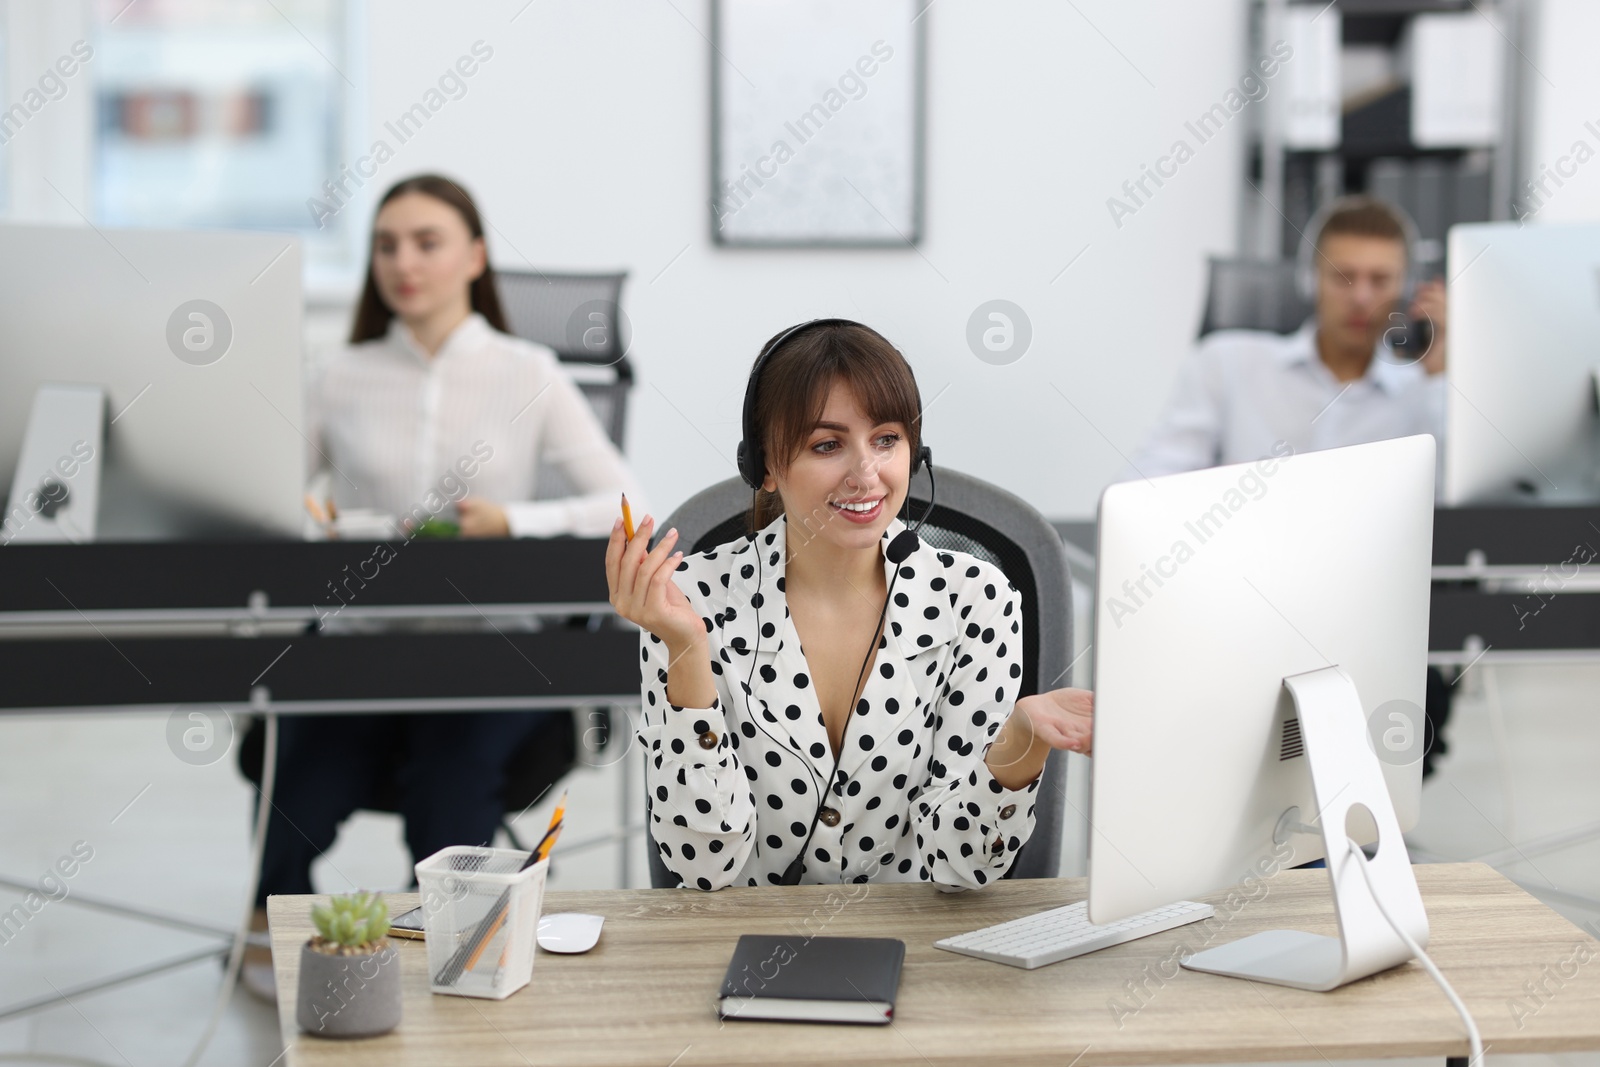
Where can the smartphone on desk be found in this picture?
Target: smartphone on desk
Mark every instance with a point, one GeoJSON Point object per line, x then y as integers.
{"type": "Point", "coordinates": [407, 924]}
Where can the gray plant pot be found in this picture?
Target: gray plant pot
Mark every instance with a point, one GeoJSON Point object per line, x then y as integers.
{"type": "Point", "coordinates": [348, 996]}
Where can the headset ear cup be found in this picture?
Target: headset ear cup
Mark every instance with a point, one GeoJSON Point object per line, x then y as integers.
{"type": "Point", "coordinates": [745, 463]}
{"type": "Point", "coordinates": [1305, 263]}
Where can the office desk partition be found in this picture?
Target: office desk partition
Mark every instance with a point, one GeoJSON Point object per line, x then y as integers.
{"type": "Point", "coordinates": [646, 994]}
{"type": "Point", "coordinates": [1510, 585]}
{"type": "Point", "coordinates": [217, 625]}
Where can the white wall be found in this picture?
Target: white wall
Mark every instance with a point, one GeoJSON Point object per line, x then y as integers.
{"type": "Point", "coordinates": [585, 137]}
{"type": "Point", "coordinates": [586, 140]}
{"type": "Point", "coordinates": [1562, 138]}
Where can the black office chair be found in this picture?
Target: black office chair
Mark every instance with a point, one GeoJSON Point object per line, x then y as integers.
{"type": "Point", "coordinates": [580, 317]}
{"type": "Point", "coordinates": [1253, 294]}
{"type": "Point", "coordinates": [970, 516]}
{"type": "Point", "coordinates": [537, 764]}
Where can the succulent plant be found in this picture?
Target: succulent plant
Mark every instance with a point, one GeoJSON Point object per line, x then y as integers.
{"type": "Point", "coordinates": [352, 924]}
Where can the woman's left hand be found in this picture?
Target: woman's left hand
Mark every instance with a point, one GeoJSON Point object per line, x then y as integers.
{"type": "Point", "coordinates": [1061, 718]}
{"type": "Point", "coordinates": [482, 518]}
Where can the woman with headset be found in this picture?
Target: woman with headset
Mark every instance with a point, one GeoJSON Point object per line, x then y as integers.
{"type": "Point", "coordinates": [828, 699]}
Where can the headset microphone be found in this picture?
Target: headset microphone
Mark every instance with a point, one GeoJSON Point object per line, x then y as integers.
{"type": "Point", "coordinates": [902, 546]}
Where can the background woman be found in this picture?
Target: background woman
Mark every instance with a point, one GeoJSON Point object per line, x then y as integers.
{"type": "Point", "coordinates": [433, 401]}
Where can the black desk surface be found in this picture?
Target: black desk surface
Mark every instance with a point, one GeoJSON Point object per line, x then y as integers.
{"type": "Point", "coordinates": [560, 571]}
{"type": "Point", "coordinates": [1546, 542]}
{"type": "Point", "coordinates": [494, 664]}
{"type": "Point", "coordinates": [1506, 535]}
{"type": "Point", "coordinates": [161, 575]}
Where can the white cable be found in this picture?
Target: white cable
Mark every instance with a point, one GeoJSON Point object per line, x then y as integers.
{"type": "Point", "coordinates": [230, 978]}
{"type": "Point", "coordinates": [1474, 1041]}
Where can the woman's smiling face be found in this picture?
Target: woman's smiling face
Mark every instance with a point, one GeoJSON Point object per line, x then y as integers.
{"type": "Point", "coordinates": [848, 480]}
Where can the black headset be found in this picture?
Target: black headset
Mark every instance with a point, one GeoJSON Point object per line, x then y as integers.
{"type": "Point", "coordinates": [751, 454]}
{"type": "Point", "coordinates": [753, 468]}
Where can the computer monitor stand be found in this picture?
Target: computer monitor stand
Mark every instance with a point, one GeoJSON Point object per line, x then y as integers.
{"type": "Point", "coordinates": [1347, 783]}
{"type": "Point", "coordinates": [55, 496]}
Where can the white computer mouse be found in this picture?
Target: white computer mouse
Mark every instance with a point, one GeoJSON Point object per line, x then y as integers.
{"type": "Point", "coordinates": [569, 931]}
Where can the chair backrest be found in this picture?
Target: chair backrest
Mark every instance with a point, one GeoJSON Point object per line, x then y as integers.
{"type": "Point", "coordinates": [1253, 294]}
{"type": "Point", "coordinates": [969, 515]}
{"type": "Point", "coordinates": [580, 317]}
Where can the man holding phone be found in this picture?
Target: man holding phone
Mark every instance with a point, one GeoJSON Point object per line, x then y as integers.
{"type": "Point", "coordinates": [1363, 368]}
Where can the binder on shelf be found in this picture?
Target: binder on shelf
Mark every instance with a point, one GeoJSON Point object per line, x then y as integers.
{"type": "Point", "coordinates": [1309, 104]}
{"type": "Point", "coordinates": [1457, 78]}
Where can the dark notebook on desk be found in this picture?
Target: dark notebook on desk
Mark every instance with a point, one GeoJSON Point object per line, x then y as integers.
{"type": "Point", "coordinates": [818, 979]}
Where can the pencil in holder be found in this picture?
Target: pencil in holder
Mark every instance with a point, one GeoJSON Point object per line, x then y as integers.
{"type": "Point", "coordinates": [480, 915]}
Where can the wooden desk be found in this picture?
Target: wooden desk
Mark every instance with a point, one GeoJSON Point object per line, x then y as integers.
{"type": "Point", "coordinates": [646, 994]}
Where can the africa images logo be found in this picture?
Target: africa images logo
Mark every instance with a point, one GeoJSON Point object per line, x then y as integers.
{"type": "Point", "coordinates": [199, 332]}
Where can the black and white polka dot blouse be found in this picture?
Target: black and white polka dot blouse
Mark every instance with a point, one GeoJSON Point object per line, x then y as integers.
{"type": "Point", "coordinates": [733, 787]}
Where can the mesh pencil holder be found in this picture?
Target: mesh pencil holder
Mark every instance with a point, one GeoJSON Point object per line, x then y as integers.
{"type": "Point", "coordinates": [480, 915]}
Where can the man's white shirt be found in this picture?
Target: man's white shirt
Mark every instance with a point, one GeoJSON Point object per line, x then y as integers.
{"type": "Point", "coordinates": [1242, 392]}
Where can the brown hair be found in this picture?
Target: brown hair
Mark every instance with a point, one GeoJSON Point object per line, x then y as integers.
{"type": "Point", "coordinates": [1365, 216]}
{"type": "Point", "coordinates": [373, 315]}
{"type": "Point", "coordinates": [793, 391]}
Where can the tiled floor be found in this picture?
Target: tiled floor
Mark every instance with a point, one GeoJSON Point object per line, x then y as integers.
{"type": "Point", "coordinates": [171, 836]}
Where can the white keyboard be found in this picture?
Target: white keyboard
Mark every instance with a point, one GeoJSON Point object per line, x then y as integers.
{"type": "Point", "coordinates": [1061, 933]}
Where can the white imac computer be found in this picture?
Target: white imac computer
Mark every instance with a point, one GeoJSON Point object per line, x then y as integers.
{"type": "Point", "coordinates": [1520, 419]}
{"type": "Point", "coordinates": [150, 385]}
{"type": "Point", "coordinates": [1261, 639]}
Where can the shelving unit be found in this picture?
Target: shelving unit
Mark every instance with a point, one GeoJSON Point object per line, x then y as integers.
{"type": "Point", "coordinates": [1382, 52]}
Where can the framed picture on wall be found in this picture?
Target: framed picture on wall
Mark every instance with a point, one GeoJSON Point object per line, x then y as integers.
{"type": "Point", "coordinates": [817, 122]}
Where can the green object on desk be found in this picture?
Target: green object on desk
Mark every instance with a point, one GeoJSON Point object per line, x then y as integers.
{"type": "Point", "coordinates": [352, 921]}
{"type": "Point", "coordinates": [437, 528]}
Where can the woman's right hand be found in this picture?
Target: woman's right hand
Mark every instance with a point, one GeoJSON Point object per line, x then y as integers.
{"type": "Point", "coordinates": [642, 589]}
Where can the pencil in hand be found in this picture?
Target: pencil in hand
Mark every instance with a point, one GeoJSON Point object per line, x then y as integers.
{"type": "Point", "coordinates": [627, 518]}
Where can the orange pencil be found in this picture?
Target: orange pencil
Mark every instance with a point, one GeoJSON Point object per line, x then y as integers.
{"type": "Point", "coordinates": [540, 851]}
{"type": "Point", "coordinates": [499, 921]}
{"type": "Point", "coordinates": [627, 517]}
{"type": "Point", "coordinates": [548, 842]}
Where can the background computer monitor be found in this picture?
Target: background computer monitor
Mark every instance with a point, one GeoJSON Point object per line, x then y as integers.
{"type": "Point", "coordinates": [1524, 342]}
{"type": "Point", "coordinates": [1213, 586]}
{"type": "Point", "coordinates": [204, 416]}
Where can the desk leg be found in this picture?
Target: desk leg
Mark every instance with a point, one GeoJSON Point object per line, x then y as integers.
{"type": "Point", "coordinates": [625, 816]}
{"type": "Point", "coordinates": [1502, 745]}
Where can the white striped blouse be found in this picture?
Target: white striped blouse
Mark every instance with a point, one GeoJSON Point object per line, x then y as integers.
{"type": "Point", "coordinates": [408, 434]}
